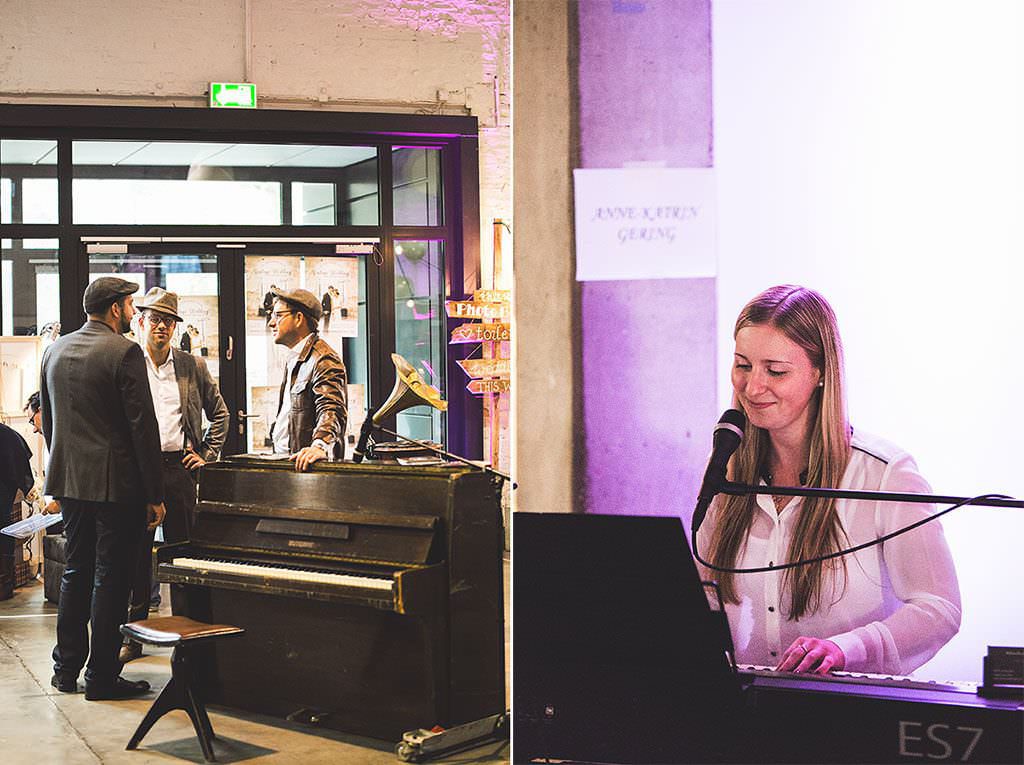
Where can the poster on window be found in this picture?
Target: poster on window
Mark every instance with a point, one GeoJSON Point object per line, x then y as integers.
{"type": "Point", "coordinates": [335, 280]}
{"type": "Point", "coordinates": [263, 274]}
{"type": "Point", "coordinates": [356, 412]}
{"type": "Point", "coordinates": [198, 332]}
{"type": "Point", "coordinates": [265, 399]}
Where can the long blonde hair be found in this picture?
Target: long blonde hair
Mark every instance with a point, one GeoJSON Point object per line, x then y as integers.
{"type": "Point", "coordinates": [806, 318]}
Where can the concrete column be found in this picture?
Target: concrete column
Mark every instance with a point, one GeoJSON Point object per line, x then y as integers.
{"type": "Point", "coordinates": [547, 428]}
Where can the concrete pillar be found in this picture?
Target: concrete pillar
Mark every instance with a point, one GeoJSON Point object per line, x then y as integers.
{"type": "Point", "coordinates": [545, 377]}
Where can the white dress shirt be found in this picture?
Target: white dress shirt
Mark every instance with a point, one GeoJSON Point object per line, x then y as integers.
{"type": "Point", "coordinates": [163, 384]}
{"type": "Point", "coordinates": [901, 602]}
{"type": "Point", "coordinates": [282, 425]}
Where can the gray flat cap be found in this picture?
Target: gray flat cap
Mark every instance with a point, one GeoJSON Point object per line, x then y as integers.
{"type": "Point", "coordinates": [158, 299]}
{"type": "Point", "coordinates": [104, 291]}
{"type": "Point", "coordinates": [302, 299]}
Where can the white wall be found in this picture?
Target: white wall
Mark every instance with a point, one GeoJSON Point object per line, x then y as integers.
{"type": "Point", "coordinates": [422, 56]}
{"type": "Point", "coordinates": [873, 150]}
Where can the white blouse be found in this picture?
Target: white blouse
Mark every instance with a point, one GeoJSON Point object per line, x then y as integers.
{"type": "Point", "coordinates": [901, 603]}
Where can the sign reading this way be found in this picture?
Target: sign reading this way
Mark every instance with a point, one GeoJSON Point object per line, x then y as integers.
{"type": "Point", "coordinates": [489, 386]}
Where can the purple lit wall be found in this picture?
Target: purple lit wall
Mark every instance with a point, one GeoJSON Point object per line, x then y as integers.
{"type": "Point", "coordinates": [648, 346]}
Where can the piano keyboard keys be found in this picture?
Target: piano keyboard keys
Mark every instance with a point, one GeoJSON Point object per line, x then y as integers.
{"type": "Point", "coordinates": [269, 571]}
{"type": "Point", "coordinates": [864, 678]}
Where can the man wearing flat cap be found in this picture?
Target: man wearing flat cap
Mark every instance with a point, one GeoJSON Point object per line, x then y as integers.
{"type": "Point", "coordinates": [312, 408]}
{"type": "Point", "coordinates": [105, 471]}
{"type": "Point", "coordinates": [182, 390]}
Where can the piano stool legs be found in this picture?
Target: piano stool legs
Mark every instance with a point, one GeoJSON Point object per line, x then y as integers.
{"type": "Point", "coordinates": [179, 693]}
{"type": "Point", "coordinates": [182, 634]}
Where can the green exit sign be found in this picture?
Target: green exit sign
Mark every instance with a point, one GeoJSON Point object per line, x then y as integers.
{"type": "Point", "coordinates": [232, 95]}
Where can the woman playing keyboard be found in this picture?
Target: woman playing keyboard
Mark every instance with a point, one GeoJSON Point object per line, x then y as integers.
{"type": "Point", "coordinates": [887, 608]}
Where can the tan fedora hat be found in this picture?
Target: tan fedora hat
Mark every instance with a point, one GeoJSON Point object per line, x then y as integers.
{"type": "Point", "coordinates": [158, 299]}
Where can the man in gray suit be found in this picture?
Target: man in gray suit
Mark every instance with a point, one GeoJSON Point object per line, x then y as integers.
{"type": "Point", "coordinates": [182, 389]}
{"type": "Point", "coordinates": [106, 472]}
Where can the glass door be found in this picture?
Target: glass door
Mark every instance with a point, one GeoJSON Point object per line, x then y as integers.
{"type": "Point", "coordinates": [225, 300]}
{"type": "Point", "coordinates": [339, 282]}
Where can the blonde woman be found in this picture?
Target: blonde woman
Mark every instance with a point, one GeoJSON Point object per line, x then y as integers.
{"type": "Point", "coordinates": [887, 608]}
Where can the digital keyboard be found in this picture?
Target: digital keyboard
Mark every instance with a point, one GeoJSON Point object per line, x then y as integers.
{"type": "Point", "coordinates": [847, 717]}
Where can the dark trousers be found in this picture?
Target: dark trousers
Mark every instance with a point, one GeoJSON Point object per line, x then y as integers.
{"type": "Point", "coordinates": [180, 502]}
{"type": "Point", "coordinates": [102, 546]}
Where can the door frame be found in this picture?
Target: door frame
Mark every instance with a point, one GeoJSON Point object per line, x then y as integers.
{"type": "Point", "coordinates": [457, 136]}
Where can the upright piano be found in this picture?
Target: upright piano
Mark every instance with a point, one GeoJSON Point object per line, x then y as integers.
{"type": "Point", "coordinates": [371, 594]}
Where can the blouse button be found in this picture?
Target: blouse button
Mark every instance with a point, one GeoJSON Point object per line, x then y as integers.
{"type": "Point", "coordinates": [773, 653]}
{"type": "Point", "coordinates": [771, 609]}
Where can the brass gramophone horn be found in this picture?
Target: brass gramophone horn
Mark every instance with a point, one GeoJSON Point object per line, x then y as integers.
{"type": "Point", "coordinates": [410, 390]}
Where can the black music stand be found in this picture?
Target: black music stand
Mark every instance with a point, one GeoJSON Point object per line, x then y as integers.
{"type": "Point", "coordinates": [617, 655]}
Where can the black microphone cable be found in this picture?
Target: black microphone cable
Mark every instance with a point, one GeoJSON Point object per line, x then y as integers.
{"type": "Point", "coordinates": [838, 553]}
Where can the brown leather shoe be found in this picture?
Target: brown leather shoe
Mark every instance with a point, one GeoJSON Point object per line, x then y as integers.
{"type": "Point", "coordinates": [130, 651]}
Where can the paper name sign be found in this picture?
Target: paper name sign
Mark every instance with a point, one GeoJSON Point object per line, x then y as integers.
{"type": "Point", "coordinates": [644, 223]}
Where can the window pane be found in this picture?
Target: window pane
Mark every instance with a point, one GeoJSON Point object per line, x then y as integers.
{"type": "Point", "coordinates": [358, 192]}
{"type": "Point", "coordinates": [170, 182]}
{"type": "Point", "coordinates": [125, 201]}
{"type": "Point", "coordinates": [28, 186]}
{"type": "Point", "coordinates": [31, 287]}
{"type": "Point", "coordinates": [417, 186]}
{"type": "Point", "coordinates": [312, 204]}
{"type": "Point", "coordinates": [192, 277]}
{"type": "Point", "coordinates": [420, 327]}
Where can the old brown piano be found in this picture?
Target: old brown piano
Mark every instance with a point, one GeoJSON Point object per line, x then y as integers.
{"type": "Point", "coordinates": [371, 594]}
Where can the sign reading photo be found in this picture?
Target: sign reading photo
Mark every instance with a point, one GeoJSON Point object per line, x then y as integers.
{"type": "Point", "coordinates": [644, 223]}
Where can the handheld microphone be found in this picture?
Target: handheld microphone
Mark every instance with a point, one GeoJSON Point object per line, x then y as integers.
{"type": "Point", "coordinates": [726, 440]}
{"type": "Point", "coordinates": [364, 437]}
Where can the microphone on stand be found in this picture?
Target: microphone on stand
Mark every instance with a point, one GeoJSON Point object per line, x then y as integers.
{"type": "Point", "coordinates": [364, 437]}
{"type": "Point", "coordinates": [726, 440]}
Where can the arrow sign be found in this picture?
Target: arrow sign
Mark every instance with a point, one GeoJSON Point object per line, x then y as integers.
{"type": "Point", "coordinates": [473, 309]}
{"type": "Point", "coordinates": [486, 367]}
{"type": "Point", "coordinates": [481, 333]}
{"type": "Point", "coordinates": [492, 296]}
{"type": "Point", "coordinates": [489, 386]}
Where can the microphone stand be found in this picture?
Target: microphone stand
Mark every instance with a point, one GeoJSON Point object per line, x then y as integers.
{"type": "Point", "coordinates": [438, 450]}
{"type": "Point", "coordinates": [739, 489]}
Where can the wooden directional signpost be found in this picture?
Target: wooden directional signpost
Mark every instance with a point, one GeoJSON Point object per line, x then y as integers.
{"type": "Point", "coordinates": [491, 375]}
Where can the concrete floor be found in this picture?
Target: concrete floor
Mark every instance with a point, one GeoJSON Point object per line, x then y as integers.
{"type": "Point", "coordinates": [39, 724]}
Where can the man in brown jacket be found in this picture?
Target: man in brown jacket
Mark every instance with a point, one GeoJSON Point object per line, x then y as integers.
{"type": "Point", "coordinates": [312, 408]}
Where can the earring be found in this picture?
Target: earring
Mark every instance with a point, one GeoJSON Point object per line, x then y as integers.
{"type": "Point", "coordinates": [821, 383]}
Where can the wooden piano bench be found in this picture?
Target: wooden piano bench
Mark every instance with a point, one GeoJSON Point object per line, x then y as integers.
{"type": "Point", "coordinates": [182, 634]}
